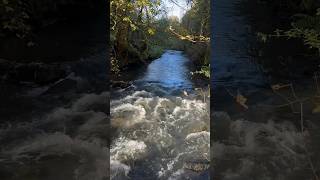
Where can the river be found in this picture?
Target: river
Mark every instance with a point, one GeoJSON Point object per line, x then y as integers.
{"type": "Point", "coordinates": [159, 127]}
{"type": "Point", "coordinates": [262, 141]}
{"type": "Point", "coordinates": [58, 130]}
{"type": "Point", "coordinates": [161, 124]}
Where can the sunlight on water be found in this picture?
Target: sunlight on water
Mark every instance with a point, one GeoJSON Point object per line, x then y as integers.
{"type": "Point", "coordinates": [169, 71]}
{"type": "Point", "coordinates": [162, 134]}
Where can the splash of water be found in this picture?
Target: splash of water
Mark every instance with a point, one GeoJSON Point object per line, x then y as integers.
{"type": "Point", "coordinates": [271, 150]}
{"type": "Point", "coordinates": [160, 135]}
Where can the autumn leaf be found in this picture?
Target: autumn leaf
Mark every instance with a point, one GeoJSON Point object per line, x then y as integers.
{"type": "Point", "coordinates": [151, 31]}
{"type": "Point", "coordinates": [242, 100]}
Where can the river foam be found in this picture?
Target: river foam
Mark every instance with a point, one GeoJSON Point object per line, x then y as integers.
{"type": "Point", "coordinates": [69, 143]}
{"type": "Point", "coordinates": [159, 135]}
{"type": "Point", "coordinates": [259, 150]}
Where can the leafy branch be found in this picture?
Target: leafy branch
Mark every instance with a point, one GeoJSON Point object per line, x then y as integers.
{"type": "Point", "coordinates": [306, 28]}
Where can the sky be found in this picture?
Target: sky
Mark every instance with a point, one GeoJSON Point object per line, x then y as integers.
{"type": "Point", "coordinates": [173, 9]}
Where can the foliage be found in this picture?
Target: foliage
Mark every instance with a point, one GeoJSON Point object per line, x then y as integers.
{"type": "Point", "coordinates": [14, 17]}
{"type": "Point", "coordinates": [197, 23]}
{"type": "Point", "coordinates": [197, 19]}
{"type": "Point", "coordinates": [22, 17]}
{"type": "Point", "coordinates": [131, 26]}
{"type": "Point", "coordinates": [305, 26]}
{"type": "Point", "coordinates": [205, 70]}
{"type": "Point", "coordinates": [141, 30]}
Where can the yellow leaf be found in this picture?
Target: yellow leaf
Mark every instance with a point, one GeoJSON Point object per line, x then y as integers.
{"type": "Point", "coordinates": [151, 31]}
{"type": "Point", "coordinates": [242, 100]}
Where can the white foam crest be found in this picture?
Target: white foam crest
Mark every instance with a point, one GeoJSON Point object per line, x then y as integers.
{"type": "Point", "coordinates": [198, 144]}
{"type": "Point", "coordinates": [260, 150]}
{"type": "Point", "coordinates": [183, 174]}
{"type": "Point", "coordinates": [153, 134]}
{"type": "Point", "coordinates": [127, 115]}
{"type": "Point", "coordinates": [87, 101]}
{"type": "Point", "coordinates": [92, 157]}
{"type": "Point", "coordinates": [195, 149]}
{"type": "Point", "coordinates": [257, 136]}
{"type": "Point", "coordinates": [118, 170]}
{"type": "Point", "coordinates": [178, 175]}
{"type": "Point", "coordinates": [175, 126]}
{"type": "Point", "coordinates": [131, 98]}
{"type": "Point", "coordinates": [128, 150]}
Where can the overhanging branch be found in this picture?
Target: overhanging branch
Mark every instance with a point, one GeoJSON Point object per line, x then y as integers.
{"type": "Point", "coordinates": [193, 39]}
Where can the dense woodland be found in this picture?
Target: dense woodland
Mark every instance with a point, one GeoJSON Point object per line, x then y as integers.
{"type": "Point", "coordinates": [141, 30]}
{"type": "Point", "coordinates": [24, 18]}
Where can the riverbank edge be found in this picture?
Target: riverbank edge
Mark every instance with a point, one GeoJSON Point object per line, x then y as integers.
{"type": "Point", "coordinates": [118, 82]}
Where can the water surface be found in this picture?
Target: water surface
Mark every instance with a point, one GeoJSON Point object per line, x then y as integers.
{"type": "Point", "coordinates": [161, 125]}
{"type": "Point", "coordinates": [263, 141]}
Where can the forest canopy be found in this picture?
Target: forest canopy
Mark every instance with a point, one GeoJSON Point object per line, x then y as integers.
{"type": "Point", "coordinates": [140, 30]}
{"type": "Point", "coordinates": [22, 18]}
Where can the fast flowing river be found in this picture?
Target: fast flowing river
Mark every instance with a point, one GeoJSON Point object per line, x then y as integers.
{"type": "Point", "coordinates": [60, 130]}
{"type": "Point", "coordinates": [160, 124]}
{"type": "Point", "coordinates": [262, 141]}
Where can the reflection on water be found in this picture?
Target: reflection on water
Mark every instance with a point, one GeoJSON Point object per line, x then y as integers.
{"type": "Point", "coordinates": [162, 133]}
{"type": "Point", "coordinates": [169, 71]}
{"type": "Point", "coordinates": [233, 67]}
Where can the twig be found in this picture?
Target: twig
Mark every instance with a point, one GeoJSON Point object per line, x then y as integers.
{"type": "Point", "coordinates": [301, 116]}
{"type": "Point", "coordinates": [190, 38]}
{"type": "Point", "coordinates": [305, 146]}
{"type": "Point", "coordinates": [316, 82]}
{"type": "Point", "coordinates": [229, 92]}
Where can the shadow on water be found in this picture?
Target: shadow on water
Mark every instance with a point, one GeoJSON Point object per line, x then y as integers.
{"type": "Point", "coordinates": [264, 141]}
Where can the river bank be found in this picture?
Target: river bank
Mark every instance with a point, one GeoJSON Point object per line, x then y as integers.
{"type": "Point", "coordinates": [135, 71]}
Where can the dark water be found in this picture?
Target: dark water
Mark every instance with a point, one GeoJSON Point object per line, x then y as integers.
{"type": "Point", "coordinates": [59, 130]}
{"type": "Point", "coordinates": [263, 141]}
{"type": "Point", "coordinates": [161, 125]}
